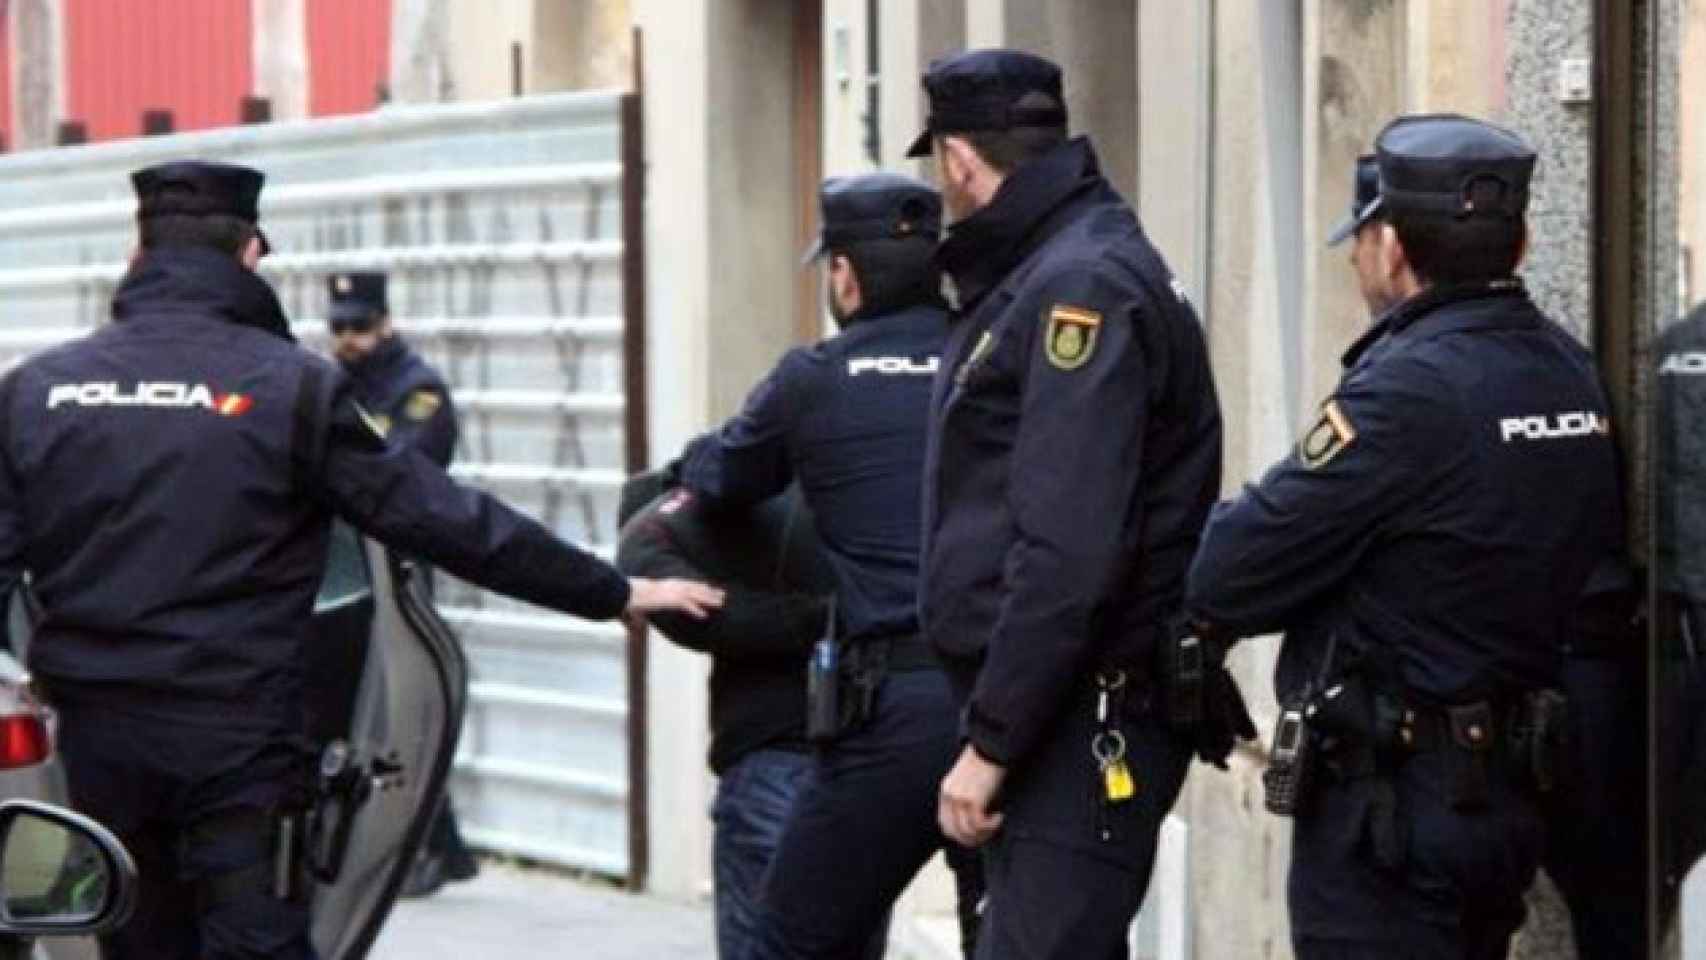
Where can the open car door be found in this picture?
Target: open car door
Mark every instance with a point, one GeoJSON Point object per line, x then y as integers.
{"type": "Point", "coordinates": [389, 686]}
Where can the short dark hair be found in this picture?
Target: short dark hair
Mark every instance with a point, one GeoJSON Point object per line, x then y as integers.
{"type": "Point", "coordinates": [893, 273]}
{"type": "Point", "coordinates": [1447, 249]}
{"type": "Point", "coordinates": [1008, 150]}
{"type": "Point", "coordinates": [222, 232]}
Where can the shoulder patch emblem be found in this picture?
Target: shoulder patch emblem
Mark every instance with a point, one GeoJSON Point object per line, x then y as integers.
{"type": "Point", "coordinates": [422, 404]}
{"type": "Point", "coordinates": [1328, 438]}
{"type": "Point", "coordinates": [1070, 338]}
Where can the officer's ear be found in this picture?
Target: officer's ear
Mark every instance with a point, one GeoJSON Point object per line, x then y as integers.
{"type": "Point", "coordinates": [1521, 248]}
{"type": "Point", "coordinates": [957, 162]}
{"type": "Point", "coordinates": [252, 249]}
{"type": "Point", "coordinates": [1393, 259]}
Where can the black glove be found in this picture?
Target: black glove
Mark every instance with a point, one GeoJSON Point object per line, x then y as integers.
{"type": "Point", "coordinates": [1225, 719]}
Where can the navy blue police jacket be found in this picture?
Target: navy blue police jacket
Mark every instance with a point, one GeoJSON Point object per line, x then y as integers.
{"type": "Point", "coordinates": [1444, 513]}
{"type": "Point", "coordinates": [1074, 450]}
{"type": "Point", "coordinates": [1679, 511]}
{"type": "Point", "coordinates": [846, 417]}
{"type": "Point", "coordinates": [408, 398]}
{"type": "Point", "coordinates": [168, 482]}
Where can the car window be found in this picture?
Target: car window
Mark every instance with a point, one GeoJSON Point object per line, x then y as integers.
{"type": "Point", "coordinates": [346, 579]}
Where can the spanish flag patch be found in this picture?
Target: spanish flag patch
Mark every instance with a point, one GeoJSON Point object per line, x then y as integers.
{"type": "Point", "coordinates": [1328, 438]}
{"type": "Point", "coordinates": [1070, 338]}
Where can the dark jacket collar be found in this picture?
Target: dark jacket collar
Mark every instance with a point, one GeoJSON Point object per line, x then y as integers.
{"type": "Point", "coordinates": [1434, 299]}
{"type": "Point", "coordinates": [1376, 330]}
{"type": "Point", "coordinates": [198, 280]}
{"type": "Point", "coordinates": [1031, 205]}
{"type": "Point", "coordinates": [935, 305]}
{"type": "Point", "coordinates": [388, 355]}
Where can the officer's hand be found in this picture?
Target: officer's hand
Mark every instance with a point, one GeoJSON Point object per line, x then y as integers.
{"type": "Point", "coordinates": [695, 599]}
{"type": "Point", "coordinates": [967, 793]}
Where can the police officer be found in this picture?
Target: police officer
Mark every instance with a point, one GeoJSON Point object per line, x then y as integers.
{"type": "Point", "coordinates": [169, 482]}
{"type": "Point", "coordinates": [1074, 451]}
{"type": "Point", "coordinates": [411, 403]}
{"type": "Point", "coordinates": [778, 584]}
{"type": "Point", "coordinates": [406, 396]}
{"type": "Point", "coordinates": [846, 418]}
{"type": "Point", "coordinates": [1679, 530]}
{"type": "Point", "coordinates": [1440, 523]}
{"type": "Point", "coordinates": [1598, 871]}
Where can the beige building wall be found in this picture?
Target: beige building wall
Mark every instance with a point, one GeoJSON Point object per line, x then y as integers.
{"type": "Point", "coordinates": [480, 38]}
{"type": "Point", "coordinates": [579, 45]}
{"type": "Point", "coordinates": [444, 50]}
{"type": "Point", "coordinates": [280, 55]}
{"type": "Point", "coordinates": [679, 350]}
{"type": "Point", "coordinates": [846, 78]}
{"type": "Point", "coordinates": [720, 91]}
{"type": "Point", "coordinates": [1691, 113]}
{"type": "Point", "coordinates": [38, 75]}
{"type": "Point", "coordinates": [913, 33]}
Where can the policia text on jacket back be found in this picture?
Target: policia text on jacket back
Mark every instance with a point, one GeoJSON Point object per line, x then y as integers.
{"type": "Point", "coordinates": [846, 417]}
{"type": "Point", "coordinates": [168, 483]}
{"type": "Point", "coordinates": [1074, 451]}
{"type": "Point", "coordinates": [1426, 546]}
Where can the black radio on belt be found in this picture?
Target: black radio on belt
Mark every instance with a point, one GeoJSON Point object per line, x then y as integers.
{"type": "Point", "coordinates": [1539, 737]}
{"type": "Point", "coordinates": [823, 685]}
{"type": "Point", "coordinates": [1186, 668]}
{"type": "Point", "coordinates": [1286, 781]}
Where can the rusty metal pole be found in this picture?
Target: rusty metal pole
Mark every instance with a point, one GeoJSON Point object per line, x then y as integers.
{"type": "Point", "coordinates": [636, 434]}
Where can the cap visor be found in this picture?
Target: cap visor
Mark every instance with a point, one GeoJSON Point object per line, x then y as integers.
{"type": "Point", "coordinates": [921, 146]}
{"type": "Point", "coordinates": [812, 252]}
{"type": "Point", "coordinates": [1353, 224]}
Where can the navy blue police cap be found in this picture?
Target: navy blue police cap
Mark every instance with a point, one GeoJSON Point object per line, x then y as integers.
{"type": "Point", "coordinates": [874, 206]}
{"type": "Point", "coordinates": [981, 90]}
{"type": "Point", "coordinates": [1365, 199]}
{"type": "Point", "coordinates": [200, 188]}
{"type": "Point", "coordinates": [357, 298]}
{"type": "Point", "coordinates": [1451, 164]}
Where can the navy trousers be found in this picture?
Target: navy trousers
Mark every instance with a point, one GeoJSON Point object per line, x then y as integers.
{"type": "Point", "coordinates": [1068, 871]}
{"type": "Point", "coordinates": [863, 826]}
{"type": "Point", "coordinates": [163, 788]}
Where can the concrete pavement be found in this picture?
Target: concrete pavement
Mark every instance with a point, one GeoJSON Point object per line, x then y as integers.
{"type": "Point", "coordinates": [514, 913]}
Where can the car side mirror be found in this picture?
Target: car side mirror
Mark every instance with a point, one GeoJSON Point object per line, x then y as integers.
{"type": "Point", "coordinates": [61, 873]}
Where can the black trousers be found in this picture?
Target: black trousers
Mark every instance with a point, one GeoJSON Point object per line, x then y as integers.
{"type": "Point", "coordinates": [1456, 892]}
{"type": "Point", "coordinates": [194, 805]}
{"type": "Point", "coordinates": [1068, 871]}
{"type": "Point", "coordinates": [863, 826]}
{"type": "Point", "coordinates": [1596, 826]}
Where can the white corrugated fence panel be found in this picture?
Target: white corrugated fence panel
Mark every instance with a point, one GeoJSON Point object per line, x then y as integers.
{"type": "Point", "coordinates": [500, 225]}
